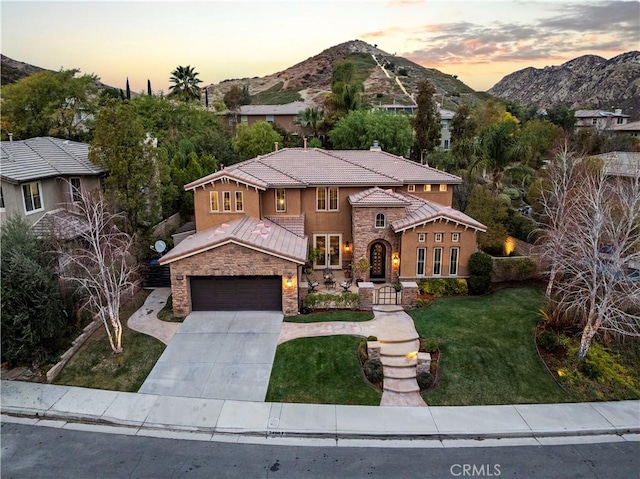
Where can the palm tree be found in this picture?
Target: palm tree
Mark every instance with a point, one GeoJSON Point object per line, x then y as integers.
{"type": "Point", "coordinates": [311, 118]}
{"type": "Point", "coordinates": [185, 81]}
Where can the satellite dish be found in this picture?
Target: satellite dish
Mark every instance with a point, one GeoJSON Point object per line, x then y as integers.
{"type": "Point", "coordinates": [160, 246]}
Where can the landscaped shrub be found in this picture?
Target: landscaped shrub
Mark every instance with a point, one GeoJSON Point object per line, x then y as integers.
{"type": "Point", "coordinates": [443, 287]}
{"type": "Point", "coordinates": [514, 269]}
{"type": "Point", "coordinates": [328, 300]}
{"type": "Point", "coordinates": [422, 303]}
{"type": "Point", "coordinates": [425, 380]}
{"type": "Point", "coordinates": [480, 268]}
{"type": "Point", "coordinates": [373, 370]}
{"type": "Point", "coordinates": [552, 342]}
{"type": "Point", "coordinates": [429, 345]}
{"type": "Point", "coordinates": [363, 354]}
{"type": "Point", "coordinates": [603, 366]}
{"type": "Point", "coordinates": [479, 284]}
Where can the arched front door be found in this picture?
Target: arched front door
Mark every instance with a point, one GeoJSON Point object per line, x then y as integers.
{"type": "Point", "coordinates": [377, 258]}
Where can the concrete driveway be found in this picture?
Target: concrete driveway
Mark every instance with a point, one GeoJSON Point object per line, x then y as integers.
{"type": "Point", "coordinates": [218, 355]}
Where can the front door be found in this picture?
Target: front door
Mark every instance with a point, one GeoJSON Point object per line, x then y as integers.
{"type": "Point", "coordinates": [329, 246]}
{"type": "Point", "coordinates": [377, 258]}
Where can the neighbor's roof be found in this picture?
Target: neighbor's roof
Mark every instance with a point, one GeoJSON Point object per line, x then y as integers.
{"type": "Point", "coordinates": [597, 113]}
{"type": "Point", "coordinates": [632, 126]}
{"type": "Point", "coordinates": [61, 224]}
{"type": "Point", "coordinates": [423, 211]}
{"type": "Point", "coordinates": [288, 109]}
{"type": "Point", "coordinates": [295, 224]}
{"type": "Point", "coordinates": [300, 167]}
{"type": "Point", "coordinates": [265, 236]}
{"type": "Point", "coordinates": [621, 163]}
{"type": "Point", "coordinates": [45, 157]}
{"type": "Point", "coordinates": [378, 197]}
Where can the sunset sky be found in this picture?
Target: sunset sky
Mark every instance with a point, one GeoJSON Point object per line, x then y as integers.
{"type": "Point", "coordinates": [480, 41]}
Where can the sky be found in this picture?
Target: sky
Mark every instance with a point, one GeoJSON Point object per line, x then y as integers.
{"type": "Point", "coordinates": [479, 40]}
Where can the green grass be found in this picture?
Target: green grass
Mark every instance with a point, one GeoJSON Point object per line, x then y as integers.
{"type": "Point", "coordinates": [96, 366]}
{"type": "Point", "coordinates": [322, 370]}
{"type": "Point", "coordinates": [166, 313]}
{"type": "Point", "coordinates": [276, 96]}
{"type": "Point", "coordinates": [488, 350]}
{"type": "Point", "coordinates": [355, 316]}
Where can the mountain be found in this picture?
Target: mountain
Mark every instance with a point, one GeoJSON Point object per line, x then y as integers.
{"type": "Point", "coordinates": [310, 80]}
{"type": "Point", "coordinates": [12, 70]}
{"type": "Point", "coordinates": [586, 82]}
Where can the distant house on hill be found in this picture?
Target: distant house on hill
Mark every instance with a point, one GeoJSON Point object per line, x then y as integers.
{"type": "Point", "coordinates": [621, 163]}
{"type": "Point", "coordinates": [599, 119]}
{"type": "Point", "coordinates": [445, 119]}
{"type": "Point", "coordinates": [43, 179]}
{"type": "Point", "coordinates": [282, 115]}
{"type": "Point", "coordinates": [631, 129]}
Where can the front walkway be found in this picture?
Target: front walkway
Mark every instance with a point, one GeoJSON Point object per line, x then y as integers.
{"type": "Point", "coordinates": [398, 340]}
{"type": "Point", "coordinates": [146, 321]}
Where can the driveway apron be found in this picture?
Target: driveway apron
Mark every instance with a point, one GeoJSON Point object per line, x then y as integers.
{"type": "Point", "coordinates": [218, 355]}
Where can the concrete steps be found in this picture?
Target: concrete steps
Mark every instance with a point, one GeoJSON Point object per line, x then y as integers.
{"type": "Point", "coordinates": [405, 385]}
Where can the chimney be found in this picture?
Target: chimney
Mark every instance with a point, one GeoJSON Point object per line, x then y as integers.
{"type": "Point", "coordinates": [305, 142]}
{"type": "Point", "coordinates": [618, 111]}
{"type": "Point", "coordinates": [375, 147]}
{"type": "Point", "coordinates": [276, 146]}
{"type": "Point", "coordinates": [11, 137]}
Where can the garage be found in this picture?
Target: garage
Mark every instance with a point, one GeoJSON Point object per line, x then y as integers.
{"type": "Point", "coordinates": [236, 293]}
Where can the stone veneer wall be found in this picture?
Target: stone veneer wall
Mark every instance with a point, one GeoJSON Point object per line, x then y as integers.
{"type": "Point", "coordinates": [409, 294]}
{"type": "Point", "coordinates": [365, 233]}
{"type": "Point", "coordinates": [231, 260]}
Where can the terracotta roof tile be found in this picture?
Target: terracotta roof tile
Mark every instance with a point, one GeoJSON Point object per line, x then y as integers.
{"type": "Point", "coordinates": [378, 197]}
{"type": "Point", "coordinates": [423, 211]}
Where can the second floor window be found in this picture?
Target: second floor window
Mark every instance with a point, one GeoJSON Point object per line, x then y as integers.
{"type": "Point", "coordinates": [281, 200]}
{"type": "Point", "coordinates": [381, 221]}
{"type": "Point", "coordinates": [214, 201]}
{"type": "Point", "coordinates": [226, 201]}
{"type": "Point", "coordinates": [269, 118]}
{"type": "Point", "coordinates": [443, 187]}
{"type": "Point", "coordinates": [239, 201]}
{"type": "Point", "coordinates": [76, 193]}
{"type": "Point", "coordinates": [438, 238]}
{"type": "Point", "coordinates": [327, 199]}
{"type": "Point", "coordinates": [31, 195]}
{"type": "Point", "coordinates": [427, 188]}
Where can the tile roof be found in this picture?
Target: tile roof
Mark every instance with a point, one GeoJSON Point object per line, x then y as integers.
{"type": "Point", "coordinates": [61, 223]}
{"type": "Point", "coordinates": [378, 197]}
{"type": "Point", "coordinates": [300, 167]}
{"type": "Point", "coordinates": [631, 126]}
{"type": "Point", "coordinates": [45, 157]}
{"type": "Point", "coordinates": [621, 163]}
{"type": "Point", "coordinates": [423, 211]}
{"type": "Point", "coordinates": [292, 108]}
{"type": "Point", "coordinates": [295, 224]}
{"type": "Point", "coordinates": [597, 113]}
{"type": "Point", "coordinates": [265, 236]}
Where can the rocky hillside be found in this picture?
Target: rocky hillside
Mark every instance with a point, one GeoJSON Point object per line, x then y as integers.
{"type": "Point", "coordinates": [12, 70]}
{"type": "Point", "coordinates": [585, 82]}
{"type": "Point", "coordinates": [387, 79]}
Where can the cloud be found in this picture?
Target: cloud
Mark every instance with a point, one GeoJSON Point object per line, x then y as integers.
{"type": "Point", "coordinates": [567, 31]}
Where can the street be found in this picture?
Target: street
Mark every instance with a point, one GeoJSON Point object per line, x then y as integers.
{"type": "Point", "coordinates": [44, 452]}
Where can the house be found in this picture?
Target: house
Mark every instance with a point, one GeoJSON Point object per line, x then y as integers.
{"type": "Point", "coordinates": [445, 119]}
{"type": "Point", "coordinates": [256, 220]}
{"type": "Point", "coordinates": [621, 164]}
{"type": "Point", "coordinates": [42, 179]}
{"type": "Point", "coordinates": [631, 129]}
{"type": "Point", "coordinates": [282, 115]}
{"type": "Point", "coordinates": [599, 119]}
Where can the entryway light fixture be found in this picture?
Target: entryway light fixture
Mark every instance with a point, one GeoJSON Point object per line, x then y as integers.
{"type": "Point", "coordinates": [289, 281]}
{"type": "Point", "coordinates": [347, 246]}
{"type": "Point", "coordinates": [395, 259]}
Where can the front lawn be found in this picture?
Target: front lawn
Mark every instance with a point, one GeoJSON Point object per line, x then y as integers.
{"type": "Point", "coordinates": [338, 315]}
{"type": "Point", "coordinates": [322, 370]}
{"type": "Point", "coordinates": [96, 366]}
{"type": "Point", "coordinates": [488, 353]}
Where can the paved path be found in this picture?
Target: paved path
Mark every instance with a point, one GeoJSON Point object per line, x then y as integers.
{"type": "Point", "coordinates": [146, 321]}
{"type": "Point", "coordinates": [398, 339]}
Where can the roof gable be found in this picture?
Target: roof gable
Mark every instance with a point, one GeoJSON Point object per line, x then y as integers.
{"type": "Point", "coordinates": [378, 197]}
{"type": "Point", "coordinates": [422, 212]}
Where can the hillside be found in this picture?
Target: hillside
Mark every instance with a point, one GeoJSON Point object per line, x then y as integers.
{"type": "Point", "coordinates": [588, 81]}
{"type": "Point", "coordinates": [310, 80]}
{"type": "Point", "coordinates": [12, 70]}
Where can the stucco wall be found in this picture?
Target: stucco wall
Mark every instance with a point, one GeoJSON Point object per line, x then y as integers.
{"type": "Point", "coordinates": [231, 260]}
{"type": "Point", "coordinates": [205, 218]}
{"type": "Point", "coordinates": [441, 197]}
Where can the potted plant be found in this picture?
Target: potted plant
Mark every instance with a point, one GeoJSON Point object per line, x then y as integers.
{"type": "Point", "coordinates": [312, 257]}
{"type": "Point", "coordinates": [359, 267]}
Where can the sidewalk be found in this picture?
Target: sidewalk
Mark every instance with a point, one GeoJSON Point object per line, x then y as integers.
{"type": "Point", "coordinates": [239, 421]}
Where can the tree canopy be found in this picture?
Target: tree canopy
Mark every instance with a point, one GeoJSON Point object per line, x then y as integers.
{"type": "Point", "coordinates": [425, 122]}
{"type": "Point", "coordinates": [185, 83]}
{"type": "Point", "coordinates": [254, 140]}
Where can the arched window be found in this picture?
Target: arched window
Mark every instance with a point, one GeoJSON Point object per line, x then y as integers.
{"type": "Point", "coordinates": [381, 221]}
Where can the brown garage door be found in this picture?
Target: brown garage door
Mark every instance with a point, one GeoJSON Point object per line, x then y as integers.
{"type": "Point", "coordinates": [236, 293]}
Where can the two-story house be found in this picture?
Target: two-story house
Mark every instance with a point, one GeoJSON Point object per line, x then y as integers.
{"type": "Point", "coordinates": [282, 115]}
{"type": "Point", "coordinates": [256, 220]}
{"type": "Point", "coordinates": [44, 177]}
{"type": "Point", "coordinates": [445, 119]}
{"type": "Point", "coordinates": [599, 120]}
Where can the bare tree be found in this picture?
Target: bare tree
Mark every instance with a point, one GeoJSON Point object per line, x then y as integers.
{"type": "Point", "coordinates": [101, 264]}
{"type": "Point", "coordinates": [591, 242]}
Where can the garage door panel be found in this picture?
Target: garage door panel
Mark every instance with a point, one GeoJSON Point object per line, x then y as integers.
{"type": "Point", "coordinates": [236, 293]}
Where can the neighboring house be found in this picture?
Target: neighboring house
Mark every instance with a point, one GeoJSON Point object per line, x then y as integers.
{"type": "Point", "coordinates": [623, 164]}
{"type": "Point", "coordinates": [42, 178]}
{"type": "Point", "coordinates": [599, 119]}
{"type": "Point", "coordinates": [631, 129]}
{"type": "Point", "coordinates": [256, 220]}
{"type": "Point", "coordinates": [445, 119]}
{"type": "Point", "coordinates": [282, 115]}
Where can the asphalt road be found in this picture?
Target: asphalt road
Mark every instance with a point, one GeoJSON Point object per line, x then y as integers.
{"type": "Point", "coordinates": [42, 452]}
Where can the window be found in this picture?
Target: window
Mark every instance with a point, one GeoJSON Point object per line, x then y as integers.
{"type": "Point", "coordinates": [239, 201]}
{"type": "Point", "coordinates": [411, 188]}
{"type": "Point", "coordinates": [1, 199]}
{"type": "Point", "coordinates": [453, 262]}
{"type": "Point", "coordinates": [214, 201]}
{"type": "Point", "coordinates": [226, 201]}
{"type": "Point", "coordinates": [269, 118]}
{"type": "Point", "coordinates": [438, 238]}
{"type": "Point", "coordinates": [427, 187]}
{"type": "Point", "coordinates": [76, 193]}
{"type": "Point", "coordinates": [594, 121]}
{"type": "Point", "coordinates": [381, 221]}
{"type": "Point", "coordinates": [620, 121]}
{"type": "Point", "coordinates": [31, 195]}
{"type": "Point", "coordinates": [321, 199]}
{"type": "Point", "coordinates": [244, 119]}
{"type": "Point", "coordinates": [446, 144]}
{"type": "Point", "coordinates": [281, 200]}
{"type": "Point", "coordinates": [422, 237]}
{"type": "Point", "coordinates": [455, 237]}
{"type": "Point", "coordinates": [437, 261]}
{"type": "Point", "coordinates": [333, 199]}
{"type": "Point", "coordinates": [443, 187]}
{"type": "Point", "coordinates": [420, 265]}
{"type": "Point", "coordinates": [444, 125]}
